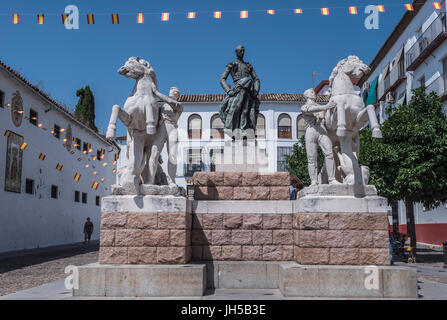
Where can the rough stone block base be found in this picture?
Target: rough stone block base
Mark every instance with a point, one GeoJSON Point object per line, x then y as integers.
{"type": "Point", "coordinates": [97, 280]}
{"type": "Point", "coordinates": [158, 232]}
{"type": "Point", "coordinates": [347, 281]}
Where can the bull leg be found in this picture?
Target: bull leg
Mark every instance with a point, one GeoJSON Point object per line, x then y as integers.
{"type": "Point", "coordinates": [341, 121]}
{"type": "Point", "coordinates": [124, 117]}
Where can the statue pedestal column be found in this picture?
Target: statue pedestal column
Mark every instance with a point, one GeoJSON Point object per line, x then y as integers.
{"type": "Point", "coordinates": [145, 229]}
{"type": "Point", "coordinates": [341, 225]}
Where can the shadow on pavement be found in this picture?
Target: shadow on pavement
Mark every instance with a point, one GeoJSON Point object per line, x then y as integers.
{"type": "Point", "coordinates": [45, 255]}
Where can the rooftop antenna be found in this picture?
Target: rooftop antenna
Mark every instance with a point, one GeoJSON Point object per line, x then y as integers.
{"type": "Point", "coordinates": [314, 75]}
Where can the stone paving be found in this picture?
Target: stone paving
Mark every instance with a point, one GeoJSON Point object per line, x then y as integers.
{"type": "Point", "coordinates": [41, 276]}
{"type": "Point", "coordinates": [32, 270]}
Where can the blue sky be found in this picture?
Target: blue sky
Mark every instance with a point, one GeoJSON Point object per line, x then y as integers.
{"type": "Point", "coordinates": [191, 54]}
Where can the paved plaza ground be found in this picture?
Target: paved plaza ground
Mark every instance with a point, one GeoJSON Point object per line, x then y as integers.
{"type": "Point", "coordinates": [41, 276]}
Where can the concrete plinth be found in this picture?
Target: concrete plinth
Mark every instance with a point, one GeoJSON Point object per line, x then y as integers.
{"type": "Point", "coordinates": [347, 281]}
{"type": "Point", "coordinates": [97, 280]}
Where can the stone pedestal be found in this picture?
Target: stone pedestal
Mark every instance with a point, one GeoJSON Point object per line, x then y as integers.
{"type": "Point", "coordinates": [241, 186]}
{"type": "Point", "coordinates": [341, 225]}
{"type": "Point", "coordinates": [145, 230]}
{"type": "Point", "coordinates": [242, 231]}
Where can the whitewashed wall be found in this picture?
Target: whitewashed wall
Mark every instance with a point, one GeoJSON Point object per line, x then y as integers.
{"type": "Point", "coordinates": [35, 221]}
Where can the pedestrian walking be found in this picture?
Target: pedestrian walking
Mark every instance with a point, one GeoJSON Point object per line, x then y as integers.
{"type": "Point", "coordinates": [88, 230]}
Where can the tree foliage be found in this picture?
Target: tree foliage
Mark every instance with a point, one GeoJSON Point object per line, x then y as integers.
{"type": "Point", "coordinates": [410, 161]}
{"type": "Point", "coordinates": [85, 109]}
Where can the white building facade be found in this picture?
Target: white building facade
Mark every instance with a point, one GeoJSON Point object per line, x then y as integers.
{"type": "Point", "coordinates": [415, 54]}
{"type": "Point", "coordinates": [53, 169]}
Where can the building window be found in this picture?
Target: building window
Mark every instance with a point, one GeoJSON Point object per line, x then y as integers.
{"type": "Point", "coordinates": [195, 127]}
{"type": "Point", "coordinates": [97, 201]}
{"type": "Point", "coordinates": [77, 196]}
{"type": "Point", "coordinates": [54, 193]}
{"type": "Point", "coordinates": [84, 197]}
{"type": "Point", "coordinates": [194, 162]}
{"type": "Point", "coordinates": [284, 126]}
{"type": "Point", "coordinates": [282, 152]}
{"type": "Point", "coordinates": [422, 81]}
{"type": "Point", "coordinates": [77, 143]}
{"type": "Point", "coordinates": [2, 99]}
{"type": "Point", "coordinates": [217, 127]}
{"type": "Point", "coordinates": [85, 147]}
{"type": "Point", "coordinates": [260, 127]}
{"type": "Point", "coordinates": [33, 117]}
{"type": "Point", "coordinates": [29, 186]}
{"type": "Point", "coordinates": [98, 155]}
{"type": "Point", "coordinates": [57, 131]}
{"type": "Point", "coordinates": [300, 127]}
{"type": "Point", "coordinates": [216, 157]}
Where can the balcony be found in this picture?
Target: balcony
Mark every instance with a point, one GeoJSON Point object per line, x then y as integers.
{"type": "Point", "coordinates": [393, 80]}
{"type": "Point", "coordinates": [427, 43]}
{"type": "Point", "coordinates": [190, 168]}
{"type": "Point", "coordinates": [439, 86]}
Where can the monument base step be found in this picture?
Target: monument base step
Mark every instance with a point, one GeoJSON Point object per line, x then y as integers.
{"type": "Point", "coordinates": [292, 280]}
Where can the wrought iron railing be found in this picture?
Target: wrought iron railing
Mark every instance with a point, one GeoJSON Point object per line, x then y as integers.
{"type": "Point", "coordinates": [437, 27]}
{"type": "Point", "coordinates": [439, 85]}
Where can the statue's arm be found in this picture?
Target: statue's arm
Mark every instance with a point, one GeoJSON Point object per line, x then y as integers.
{"type": "Point", "coordinates": [317, 107]}
{"type": "Point", "coordinates": [164, 98]}
{"type": "Point", "coordinates": [223, 78]}
{"type": "Point", "coordinates": [256, 81]}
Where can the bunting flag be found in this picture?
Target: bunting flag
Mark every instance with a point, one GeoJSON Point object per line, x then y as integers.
{"type": "Point", "coordinates": [191, 15]}
{"type": "Point", "coordinates": [95, 173]}
{"type": "Point", "coordinates": [77, 176]}
{"type": "Point", "coordinates": [15, 18]}
{"type": "Point", "coordinates": [40, 19]}
{"type": "Point", "coordinates": [140, 17]}
{"type": "Point", "coordinates": [115, 18]}
{"type": "Point", "coordinates": [95, 185]}
{"type": "Point", "coordinates": [244, 14]}
{"type": "Point", "coordinates": [381, 8]}
{"type": "Point", "coordinates": [40, 125]}
{"type": "Point", "coordinates": [270, 11]}
{"type": "Point", "coordinates": [431, 247]}
{"type": "Point", "coordinates": [217, 15]}
{"type": "Point", "coordinates": [114, 170]}
{"type": "Point", "coordinates": [23, 146]}
{"type": "Point", "coordinates": [59, 167]}
{"type": "Point", "coordinates": [87, 165]}
{"type": "Point", "coordinates": [116, 156]}
{"type": "Point", "coordinates": [104, 164]}
{"type": "Point", "coordinates": [7, 133]}
{"type": "Point", "coordinates": [353, 10]}
{"type": "Point", "coordinates": [114, 163]}
{"type": "Point", "coordinates": [90, 18]}
{"type": "Point", "coordinates": [437, 5]}
{"type": "Point", "coordinates": [298, 11]}
{"type": "Point", "coordinates": [165, 16]}
{"type": "Point", "coordinates": [79, 159]}
{"type": "Point", "coordinates": [102, 179]}
{"type": "Point", "coordinates": [65, 19]}
{"type": "Point", "coordinates": [409, 7]}
{"type": "Point", "coordinates": [72, 152]}
{"type": "Point", "coordinates": [42, 156]}
{"type": "Point", "coordinates": [325, 11]}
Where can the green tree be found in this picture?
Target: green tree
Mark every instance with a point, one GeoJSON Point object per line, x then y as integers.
{"type": "Point", "coordinates": [409, 163]}
{"type": "Point", "coordinates": [85, 109]}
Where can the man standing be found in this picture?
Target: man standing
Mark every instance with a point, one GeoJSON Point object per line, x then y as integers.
{"type": "Point", "coordinates": [316, 135]}
{"type": "Point", "coordinates": [240, 108]}
{"type": "Point", "coordinates": [167, 132]}
{"type": "Point", "coordinates": [88, 230]}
